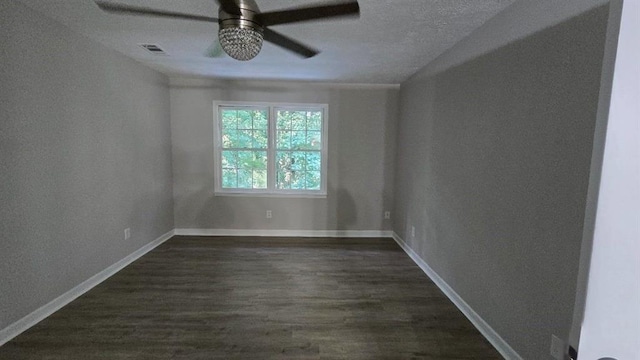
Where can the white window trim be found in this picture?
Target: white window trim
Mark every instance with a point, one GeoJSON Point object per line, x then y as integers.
{"type": "Point", "coordinates": [271, 191]}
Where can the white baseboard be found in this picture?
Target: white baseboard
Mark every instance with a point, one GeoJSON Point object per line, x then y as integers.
{"type": "Point", "coordinates": [286, 233]}
{"type": "Point", "coordinates": [40, 314]}
{"type": "Point", "coordinates": [487, 331]}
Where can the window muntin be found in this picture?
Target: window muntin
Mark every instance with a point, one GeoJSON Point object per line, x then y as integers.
{"type": "Point", "coordinates": [271, 149]}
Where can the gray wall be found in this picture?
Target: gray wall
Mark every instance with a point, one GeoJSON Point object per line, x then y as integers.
{"type": "Point", "coordinates": [493, 167]}
{"type": "Point", "coordinates": [361, 152]}
{"type": "Point", "coordinates": [84, 153]}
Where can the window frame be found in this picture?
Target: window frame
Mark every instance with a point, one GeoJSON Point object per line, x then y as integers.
{"type": "Point", "coordinates": [272, 109]}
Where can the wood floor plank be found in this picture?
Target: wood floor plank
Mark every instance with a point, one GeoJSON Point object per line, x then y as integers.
{"type": "Point", "coordinates": [260, 298]}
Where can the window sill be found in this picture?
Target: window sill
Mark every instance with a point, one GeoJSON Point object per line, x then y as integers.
{"type": "Point", "coordinates": [272, 195]}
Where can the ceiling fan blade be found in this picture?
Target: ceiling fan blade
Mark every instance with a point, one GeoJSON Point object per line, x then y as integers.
{"type": "Point", "coordinates": [230, 7]}
{"type": "Point", "coordinates": [315, 12]}
{"type": "Point", "coordinates": [215, 50]}
{"type": "Point", "coordinates": [135, 10]}
{"type": "Point", "coordinates": [289, 44]}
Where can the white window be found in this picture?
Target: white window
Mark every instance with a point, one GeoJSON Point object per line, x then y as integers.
{"type": "Point", "coordinates": [271, 149]}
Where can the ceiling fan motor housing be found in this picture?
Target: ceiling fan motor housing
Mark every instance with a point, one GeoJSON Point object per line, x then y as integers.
{"type": "Point", "coordinates": [247, 19]}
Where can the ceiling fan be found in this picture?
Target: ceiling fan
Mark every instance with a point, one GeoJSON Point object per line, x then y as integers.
{"type": "Point", "coordinates": [242, 27]}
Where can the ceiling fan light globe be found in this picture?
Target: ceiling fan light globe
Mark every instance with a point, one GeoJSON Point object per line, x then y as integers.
{"type": "Point", "coordinates": [240, 43]}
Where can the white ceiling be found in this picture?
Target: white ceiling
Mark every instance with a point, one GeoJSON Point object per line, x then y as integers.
{"type": "Point", "coordinates": [388, 43]}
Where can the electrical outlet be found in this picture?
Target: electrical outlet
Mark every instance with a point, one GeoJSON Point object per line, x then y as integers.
{"type": "Point", "coordinates": [557, 348]}
{"type": "Point", "coordinates": [127, 233]}
{"type": "Point", "coordinates": [387, 215]}
{"type": "Point", "coordinates": [269, 214]}
{"type": "Point", "coordinates": [413, 232]}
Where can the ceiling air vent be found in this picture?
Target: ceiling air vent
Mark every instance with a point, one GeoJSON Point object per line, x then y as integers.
{"type": "Point", "coordinates": [154, 49]}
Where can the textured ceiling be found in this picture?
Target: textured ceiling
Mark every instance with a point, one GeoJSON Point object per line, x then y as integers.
{"type": "Point", "coordinates": [388, 43]}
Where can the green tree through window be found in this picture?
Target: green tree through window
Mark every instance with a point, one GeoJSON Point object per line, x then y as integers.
{"type": "Point", "coordinates": [244, 143]}
{"type": "Point", "coordinates": [298, 146]}
{"type": "Point", "coordinates": [271, 149]}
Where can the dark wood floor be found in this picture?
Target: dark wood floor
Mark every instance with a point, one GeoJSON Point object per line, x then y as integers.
{"type": "Point", "coordinates": [260, 298]}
